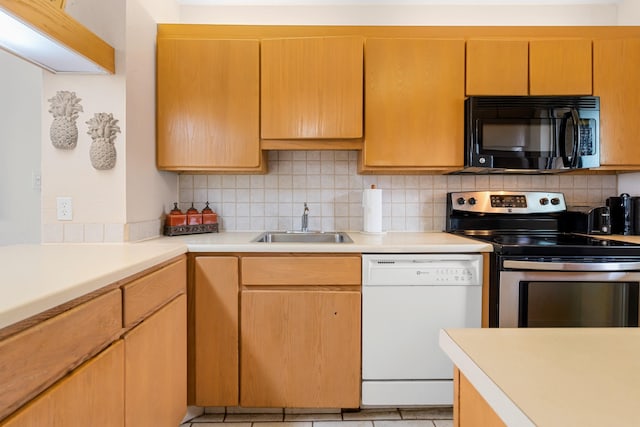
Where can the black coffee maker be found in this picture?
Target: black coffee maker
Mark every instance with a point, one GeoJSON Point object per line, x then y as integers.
{"type": "Point", "coordinates": [625, 214]}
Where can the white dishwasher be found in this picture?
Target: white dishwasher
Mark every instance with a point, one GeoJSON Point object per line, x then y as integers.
{"type": "Point", "coordinates": [406, 300]}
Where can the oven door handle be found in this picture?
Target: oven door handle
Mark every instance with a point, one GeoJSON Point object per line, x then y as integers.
{"type": "Point", "coordinates": [573, 266]}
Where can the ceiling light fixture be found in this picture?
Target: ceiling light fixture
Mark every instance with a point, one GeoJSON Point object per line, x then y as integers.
{"type": "Point", "coordinates": [48, 37]}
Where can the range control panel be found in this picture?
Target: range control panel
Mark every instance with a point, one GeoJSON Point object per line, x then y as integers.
{"type": "Point", "coordinates": [507, 202]}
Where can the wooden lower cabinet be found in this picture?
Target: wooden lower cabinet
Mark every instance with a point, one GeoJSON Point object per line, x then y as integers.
{"type": "Point", "coordinates": [93, 395]}
{"type": "Point", "coordinates": [300, 348]}
{"type": "Point", "coordinates": [213, 340]}
{"type": "Point", "coordinates": [37, 357]}
{"type": "Point", "coordinates": [274, 330]}
{"type": "Point", "coordinates": [300, 329]}
{"type": "Point", "coordinates": [469, 407]}
{"type": "Point", "coordinates": [156, 368]}
{"type": "Point", "coordinates": [83, 368]}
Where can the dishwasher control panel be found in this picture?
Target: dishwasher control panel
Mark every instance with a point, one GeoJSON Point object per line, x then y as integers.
{"type": "Point", "coordinates": [421, 269]}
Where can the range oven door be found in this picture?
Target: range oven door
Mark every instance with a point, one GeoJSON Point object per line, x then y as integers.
{"type": "Point", "coordinates": [568, 294]}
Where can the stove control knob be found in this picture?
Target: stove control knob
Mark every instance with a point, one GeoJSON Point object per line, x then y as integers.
{"type": "Point", "coordinates": [460, 200]}
{"type": "Point", "coordinates": [472, 201]}
{"type": "Point", "coordinates": [544, 201]}
{"type": "Point", "coordinates": [555, 201]}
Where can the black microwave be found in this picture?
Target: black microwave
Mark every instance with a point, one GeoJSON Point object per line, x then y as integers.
{"type": "Point", "coordinates": [531, 134]}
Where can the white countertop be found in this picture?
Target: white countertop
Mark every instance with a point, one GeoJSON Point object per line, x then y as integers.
{"type": "Point", "coordinates": [391, 242]}
{"type": "Point", "coordinates": [552, 377]}
{"type": "Point", "coordinates": [36, 278]}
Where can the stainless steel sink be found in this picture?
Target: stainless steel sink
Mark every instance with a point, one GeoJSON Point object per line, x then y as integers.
{"type": "Point", "coordinates": [303, 237]}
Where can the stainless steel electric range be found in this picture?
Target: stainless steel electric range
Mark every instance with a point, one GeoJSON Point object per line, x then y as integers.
{"type": "Point", "coordinates": [540, 274]}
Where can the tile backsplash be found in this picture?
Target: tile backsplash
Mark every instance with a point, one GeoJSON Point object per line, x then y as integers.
{"type": "Point", "coordinates": [329, 183]}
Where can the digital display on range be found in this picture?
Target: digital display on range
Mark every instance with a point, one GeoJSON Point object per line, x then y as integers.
{"type": "Point", "coordinates": [508, 201]}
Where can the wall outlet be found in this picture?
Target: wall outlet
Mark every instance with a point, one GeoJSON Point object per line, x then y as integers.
{"type": "Point", "coordinates": [64, 208]}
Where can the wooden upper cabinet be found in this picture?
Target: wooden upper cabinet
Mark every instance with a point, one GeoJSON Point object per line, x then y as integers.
{"type": "Point", "coordinates": [208, 105]}
{"type": "Point", "coordinates": [535, 67]}
{"type": "Point", "coordinates": [311, 88]}
{"type": "Point", "coordinates": [615, 81]}
{"type": "Point", "coordinates": [497, 67]}
{"type": "Point", "coordinates": [560, 67]}
{"type": "Point", "coordinates": [414, 111]}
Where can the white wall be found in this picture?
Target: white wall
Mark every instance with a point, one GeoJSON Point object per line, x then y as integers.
{"type": "Point", "coordinates": [629, 12]}
{"type": "Point", "coordinates": [162, 10]}
{"type": "Point", "coordinates": [127, 202]}
{"type": "Point", "coordinates": [150, 193]}
{"type": "Point", "coordinates": [21, 93]}
{"type": "Point", "coordinates": [591, 14]}
{"type": "Point", "coordinates": [99, 197]}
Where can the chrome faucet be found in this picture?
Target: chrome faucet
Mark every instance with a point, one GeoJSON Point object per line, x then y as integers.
{"type": "Point", "coordinates": [305, 218]}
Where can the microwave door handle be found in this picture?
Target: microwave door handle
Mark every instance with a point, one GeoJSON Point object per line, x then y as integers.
{"type": "Point", "coordinates": [575, 117]}
{"type": "Point", "coordinates": [570, 162]}
{"type": "Point", "coordinates": [562, 146]}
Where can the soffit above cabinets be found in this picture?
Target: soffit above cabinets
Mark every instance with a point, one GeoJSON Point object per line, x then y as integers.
{"type": "Point", "coordinates": [42, 33]}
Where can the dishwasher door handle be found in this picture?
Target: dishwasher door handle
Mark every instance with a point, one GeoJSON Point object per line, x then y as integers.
{"type": "Point", "coordinates": [572, 266]}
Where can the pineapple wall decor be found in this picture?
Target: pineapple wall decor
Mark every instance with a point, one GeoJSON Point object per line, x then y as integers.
{"type": "Point", "coordinates": [65, 107]}
{"type": "Point", "coordinates": [103, 128]}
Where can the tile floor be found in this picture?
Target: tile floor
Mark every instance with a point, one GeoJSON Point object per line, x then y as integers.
{"type": "Point", "coordinates": [378, 417]}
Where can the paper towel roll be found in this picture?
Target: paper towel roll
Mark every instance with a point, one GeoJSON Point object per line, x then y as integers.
{"type": "Point", "coordinates": [372, 210]}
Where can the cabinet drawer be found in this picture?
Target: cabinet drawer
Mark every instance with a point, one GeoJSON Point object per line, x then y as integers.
{"type": "Point", "coordinates": [72, 401]}
{"type": "Point", "coordinates": [145, 295]}
{"type": "Point", "coordinates": [305, 270]}
{"type": "Point", "coordinates": [33, 359]}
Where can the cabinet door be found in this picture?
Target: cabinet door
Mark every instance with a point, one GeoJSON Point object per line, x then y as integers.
{"type": "Point", "coordinates": [208, 105]}
{"type": "Point", "coordinates": [560, 67]}
{"type": "Point", "coordinates": [156, 368]}
{"type": "Point", "coordinates": [300, 349]}
{"type": "Point", "coordinates": [615, 81]}
{"type": "Point", "coordinates": [414, 94]}
{"type": "Point", "coordinates": [92, 395]}
{"type": "Point", "coordinates": [213, 373]}
{"type": "Point", "coordinates": [311, 88]}
{"type": "Point", "coordinates": [497, 67]}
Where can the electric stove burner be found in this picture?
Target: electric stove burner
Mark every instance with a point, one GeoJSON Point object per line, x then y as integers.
{"type": "Point", "coordinates": [533, 227]}
{"type": "Point", "coordinates": [561, 239]}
